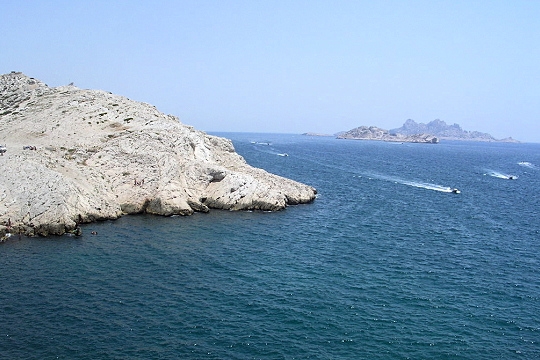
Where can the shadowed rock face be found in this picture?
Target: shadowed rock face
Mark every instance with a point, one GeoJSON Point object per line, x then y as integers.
{"type": "Point", "coordinates": [99, 156]}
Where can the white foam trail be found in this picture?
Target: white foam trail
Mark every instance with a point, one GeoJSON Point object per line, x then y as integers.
{"type": "Point", "coordinates": [269, 151]}
{"type": "Point", "coordinates": [501, 175]}
{"type": "Point", "coordinates": [429, 186]}
{"type": "Point", "coordinates": [498, 175]}
{"type": "Point", "coordinates": [528, 165]}
{"type": "Point", "coordinates": [422, 185]}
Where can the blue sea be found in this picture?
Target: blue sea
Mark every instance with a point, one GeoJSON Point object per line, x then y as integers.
{"type": "Point", "coordinates": [387, 263]}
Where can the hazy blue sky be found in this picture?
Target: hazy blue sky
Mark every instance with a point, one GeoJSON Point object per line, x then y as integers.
{"type": "Point", "coordinates": [292, 66]}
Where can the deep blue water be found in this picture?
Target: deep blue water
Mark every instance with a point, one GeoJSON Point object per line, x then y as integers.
{"type": "Point", "coordinates": [385, 264]}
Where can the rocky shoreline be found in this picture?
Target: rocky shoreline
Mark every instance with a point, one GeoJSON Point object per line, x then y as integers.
{"type": "Point", "coordinates": [76, 156]}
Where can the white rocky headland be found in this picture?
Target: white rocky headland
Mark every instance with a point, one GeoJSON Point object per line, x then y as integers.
{"type": "Point", "coordinates": [75, 156]}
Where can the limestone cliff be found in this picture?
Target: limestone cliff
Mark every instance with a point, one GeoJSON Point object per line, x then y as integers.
{"type": "Point", "coordinates": [75, 156]}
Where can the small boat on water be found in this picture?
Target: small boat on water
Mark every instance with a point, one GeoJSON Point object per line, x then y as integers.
{"type": "Point", "coordinates": [456, 191]}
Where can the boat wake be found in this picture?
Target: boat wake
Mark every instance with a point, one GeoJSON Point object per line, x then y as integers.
{"type": "Point", "coordinates": [267, 143]}
{"type": "Point", "coordinates": [501, 175]}
{"type": "Point", "coordinates": [528, 165]}
{"type": "Point", "coordinates": [422, 185]}
{"type": "Point", "coordinates": [268, 150]}
{"type": "Point", "coordinates": [372, 175]}
{"type": "Point", "coordinates": [434, 187]}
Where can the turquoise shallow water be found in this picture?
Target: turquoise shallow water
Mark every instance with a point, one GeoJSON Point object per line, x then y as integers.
{"type": "Point", "coordinates": [385, 264]}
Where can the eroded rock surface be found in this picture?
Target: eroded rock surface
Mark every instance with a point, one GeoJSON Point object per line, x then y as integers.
{"type": "Point", "coordinates": [75, 155]}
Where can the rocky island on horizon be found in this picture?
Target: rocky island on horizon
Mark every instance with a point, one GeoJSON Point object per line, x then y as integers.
{"type": "Point", "coordinates": [72, 156]}
{"type": "Point", "coordinates": [412, 131]}
{"type": "Point", "coordinates": [378, 134]}
{"type": "Point", "coordinates": [440, 129]}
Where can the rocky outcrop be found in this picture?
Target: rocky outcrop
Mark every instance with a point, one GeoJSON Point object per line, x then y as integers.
{"type": "Point", "coordinates": [375, 133]}
{"type": "Point", "coordinates": [440, 129]}
{"type": "Point", "coordinates": [75, 156]}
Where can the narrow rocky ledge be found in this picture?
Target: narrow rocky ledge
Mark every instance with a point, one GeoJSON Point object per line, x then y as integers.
{"type": "Point", "coordinates": [75, 156]}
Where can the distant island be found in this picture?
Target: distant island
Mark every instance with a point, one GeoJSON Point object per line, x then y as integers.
{"type": "Point", "coordinates": [413, 132]}
{"type": "Point", "coordinates": [443, 131]}
{"type": "Point", "coordinates": [375, 133]}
